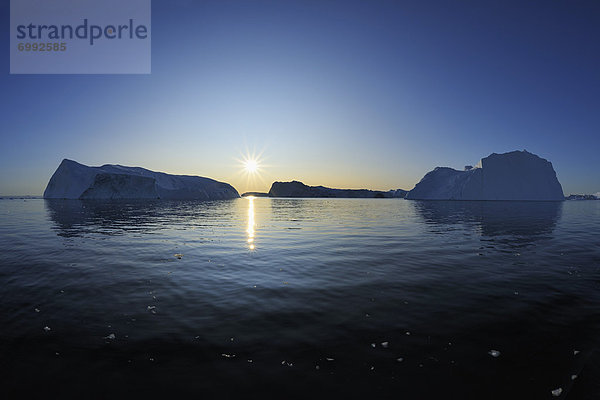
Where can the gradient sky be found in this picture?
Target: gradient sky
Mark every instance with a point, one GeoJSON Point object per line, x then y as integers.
{"type": "Point", "coordinates": [369, 94]}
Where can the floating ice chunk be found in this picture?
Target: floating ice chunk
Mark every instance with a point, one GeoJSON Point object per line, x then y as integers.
{"type": "Point", "coordinates": [557, 392]}
{"type": "Point", "coordinates": [37, 310]}
{"type": "Point", "coordinates": [407, 333]}
{"type": "Point", "coordinates": [228, 355]}
{"type": "Point", "coordinates": [385, 344]}
{"type": "Point", "coordinates": [573, 377]}
{"type": "Point", "coordinates": [494, 353]}
{"type": "Point", "coordinates": [575, 352]}
{"type": "Point", "coordinates": [329, 359]}
{"type": "Point", "coordinates": [373, 345]}
{"type": "Point", "coordinates": [249, 360]}
{"type": "Point", "coordinates": [152, 309]}
{"type": "Point", "coordinates": [111, 336]}
{"type": "Point", "coordinates": [47, 329]}
{"type": "Point", "coordinates": [400, 359]}
{"type": "Point", "coordinates": [317, 367]}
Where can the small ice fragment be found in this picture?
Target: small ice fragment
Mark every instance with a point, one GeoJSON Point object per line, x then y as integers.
{"type": "Point", "coordinates": [290, 364]}
{"type": "Point", "coordinates": [557, 392]}
{"type": "Point", "coordinates": [573, 377]}
{"type": "Point", "coordinates": [249, 360]}
{"type": "Point", "coordinates": [385, 344]}
{"type": "Point", "coordinates": [317, 367]}
{"type": "Point", "coordinates": [111, 336]}
{"type": "Point", "coordinates": [47, 329]}
{"type": "Point", "coordinates": [367, 315]}
{"type": "Point", "coordinates": [62, 291]}
{"type": "Point", "coordinates": [575, 352]}
{"type": "Point", "coordinates": [37, 310]}
{"type": "Point", "coordinates": [329, 359]}
{"type": "Point", "coordinates": [231, 339]}
{"type": "Point", "coordinates": [494, 353]}
{"type": "Point", "coordinates": [373, 345]}
{"type": "Point", "coordinates": [151, 308]}
{"type": "Point", "coordinates": [196, 337]}
{"type": "Point", "coordinates": [57, 353]}
{"type": "Point", "coordinates": [407, 333]}
{"type": "Point", "coordinates": [399, 359]}
{"type": "Point", "coordinates": [421, 365]}
{"type": "Point", "coordinates": [283, 362]}
{"type": "Point", "coordinates": [516, 292]}
{"type": "Point", "coordinates": [151, 359]}
{"type": "Point", "coordinates": [178, 255]}
{"type": "Point", "coordinates": [372, 368]}
{"type": "Point", "coordinates": [228, 355]}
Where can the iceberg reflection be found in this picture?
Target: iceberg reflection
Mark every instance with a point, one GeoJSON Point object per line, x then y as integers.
{"type": "Point", "coordinates": [523, 221]}
{"type": "Point", "coordinates": [74, 218]}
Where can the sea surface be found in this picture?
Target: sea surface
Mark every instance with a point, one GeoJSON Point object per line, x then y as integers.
{"type": "Point", "coordinates": [299, 298]}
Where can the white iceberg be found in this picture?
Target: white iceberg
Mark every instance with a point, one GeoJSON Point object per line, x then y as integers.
{"type": "Point", "coordinates": [77, 181]}
{"type": "Point", "coordinates": [518, 175]}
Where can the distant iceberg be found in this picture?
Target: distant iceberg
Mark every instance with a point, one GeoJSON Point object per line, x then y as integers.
{"type": "Point", "coordinates": [72, 180]}
{"type": "Point", "coordinates": [518, 175]}
{"type": "Point", "coordinates": [299, 189]}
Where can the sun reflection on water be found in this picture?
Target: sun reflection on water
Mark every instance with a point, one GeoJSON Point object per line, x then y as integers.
{"type": "Point", "coordinates": [250, 229]}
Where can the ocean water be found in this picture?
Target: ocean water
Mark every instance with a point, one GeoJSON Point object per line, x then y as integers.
{"type": "Point", "coordinates": [300, 298]}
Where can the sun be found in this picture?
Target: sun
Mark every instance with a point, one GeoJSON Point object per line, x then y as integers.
{"type": "Point", "coordinates": [251, 166]}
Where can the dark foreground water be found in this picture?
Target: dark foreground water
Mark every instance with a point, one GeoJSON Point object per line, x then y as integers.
{"type": "Point", "coordinates": [299, 298]}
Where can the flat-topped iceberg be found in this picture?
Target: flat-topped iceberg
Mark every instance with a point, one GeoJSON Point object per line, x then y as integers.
{"type": "Point", "coordinates": [299, 189]}
{"type": "Point", "coordinates": [72, 180]}
{"type": "Point", "coordinates": [518, 175]}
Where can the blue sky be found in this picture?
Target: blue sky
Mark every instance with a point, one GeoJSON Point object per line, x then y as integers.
{"type": "Point", "coordinates": [369, 94]}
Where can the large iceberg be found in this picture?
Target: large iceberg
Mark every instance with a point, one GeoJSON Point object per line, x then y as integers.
{"type": "Point", "coordinates": [518, 175]}
{"type": "Point", "coordinates": [72, 180]}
